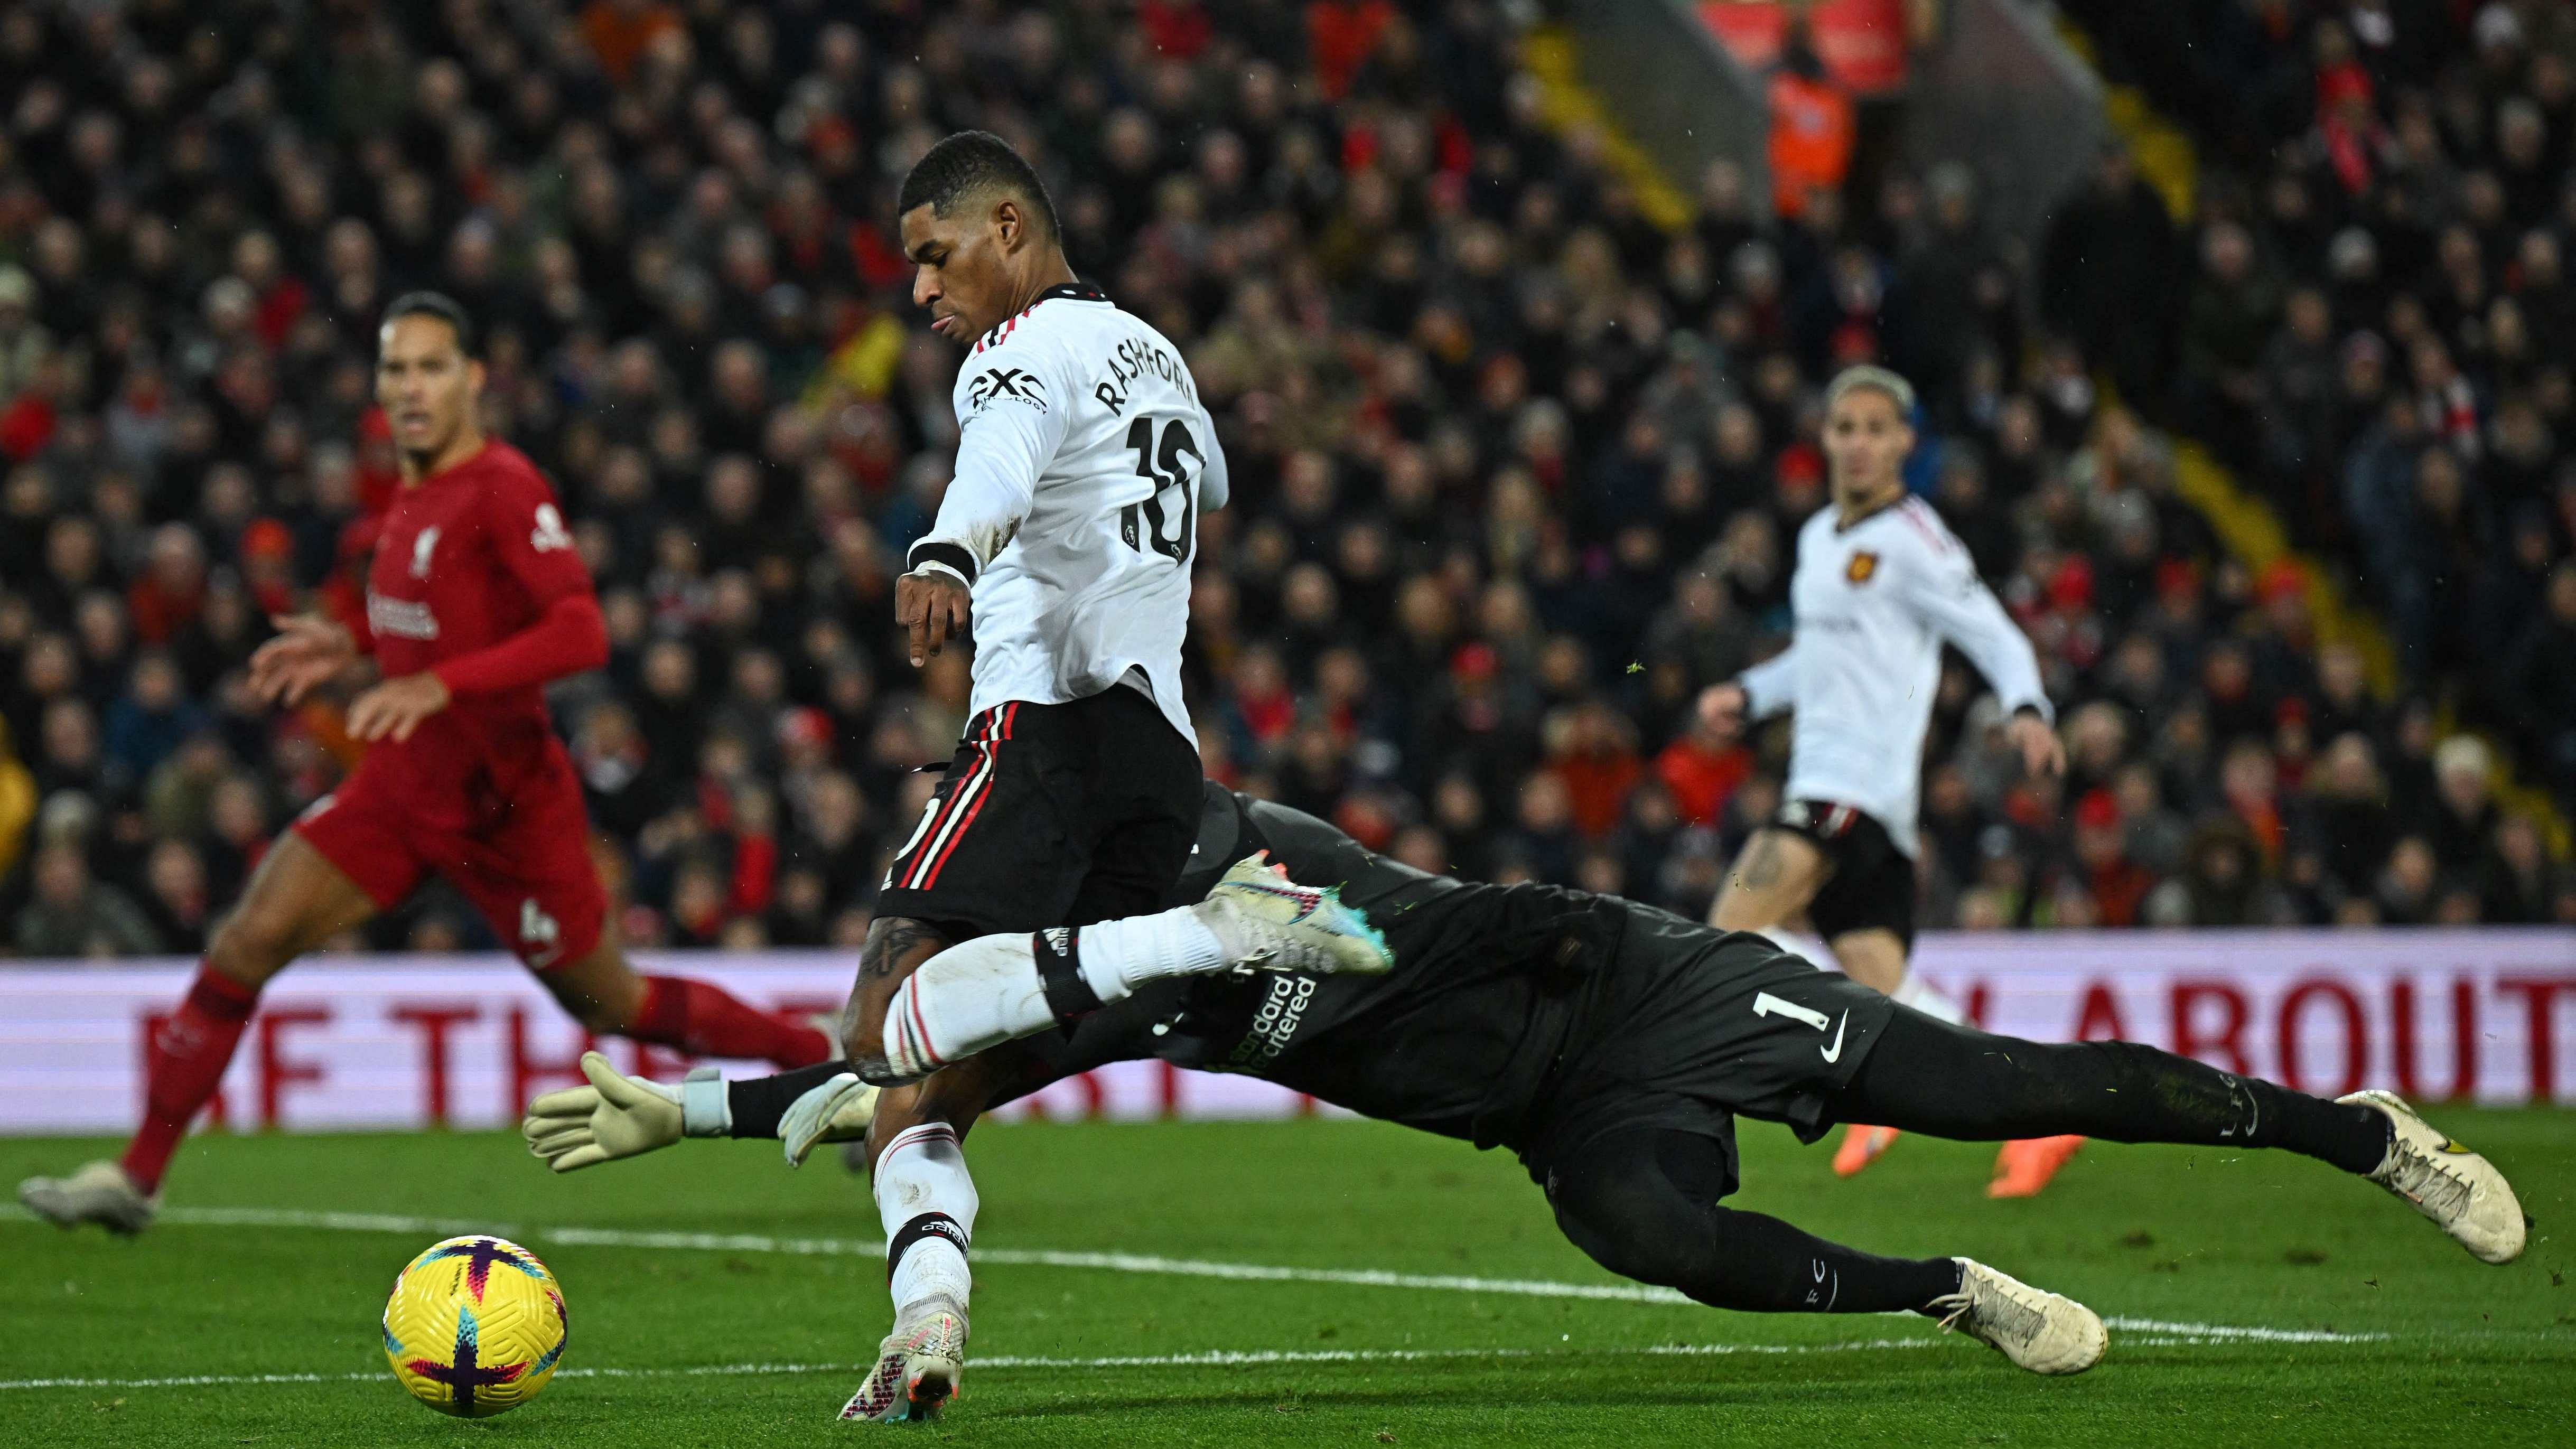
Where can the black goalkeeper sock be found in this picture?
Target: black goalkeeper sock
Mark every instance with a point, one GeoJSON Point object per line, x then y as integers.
{"type": "Point", "coordinates": [1951, 1081]}
{"type": "Point", "coordinates": [1764, 1265]}
{"type": "Point", "coordinates": [760, 1103]}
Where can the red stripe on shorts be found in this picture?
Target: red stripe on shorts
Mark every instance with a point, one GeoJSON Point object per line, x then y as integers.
{"type": "Point", "coordinates": [942, 822]}
{"type": "Point", "coordinates": [982, 791]}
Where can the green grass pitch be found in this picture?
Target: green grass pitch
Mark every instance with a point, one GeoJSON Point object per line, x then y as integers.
{"type": "Point", "coordinates": [2400, 1337]}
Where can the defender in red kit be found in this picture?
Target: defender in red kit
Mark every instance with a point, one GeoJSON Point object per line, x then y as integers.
{"type": "Point", "coordinates": [475, 599]}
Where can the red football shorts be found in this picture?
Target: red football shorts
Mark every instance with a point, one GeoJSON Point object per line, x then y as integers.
{"type": "Point", "coordinates": [524, 863]}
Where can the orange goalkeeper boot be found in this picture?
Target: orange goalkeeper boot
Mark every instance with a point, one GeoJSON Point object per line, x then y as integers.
{"type": "Point", "coordinates": [1860, 1147]}
{"type": "Point", "coordinates": [2022, 1168]}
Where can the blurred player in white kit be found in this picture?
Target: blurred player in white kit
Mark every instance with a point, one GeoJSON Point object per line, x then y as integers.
{"type": "Point", "coordinates": [1881, 585]}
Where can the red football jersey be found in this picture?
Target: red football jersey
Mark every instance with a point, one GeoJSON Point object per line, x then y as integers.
{"type": "Point", "coordinates": [467, 558]}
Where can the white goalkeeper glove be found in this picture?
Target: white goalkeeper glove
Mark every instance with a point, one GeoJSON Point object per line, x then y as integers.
{"type": "Point", "coordinates": [621, 1116]}
{"type": "Point", "coordinates": [837, 1111]}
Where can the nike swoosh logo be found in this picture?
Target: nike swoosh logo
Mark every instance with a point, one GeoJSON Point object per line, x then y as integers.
{"type": "Point", "coordinates": [1834, 1053]}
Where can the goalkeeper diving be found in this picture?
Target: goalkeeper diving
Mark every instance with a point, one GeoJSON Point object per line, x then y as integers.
{"type": "Point", "coordinates": [1608, 1045]}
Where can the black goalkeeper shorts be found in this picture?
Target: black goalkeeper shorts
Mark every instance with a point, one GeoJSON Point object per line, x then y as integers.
{"type": "Point", "coordinates": [1692, 1030]}
{"type": "Point", "coordinates": [1052, 815]}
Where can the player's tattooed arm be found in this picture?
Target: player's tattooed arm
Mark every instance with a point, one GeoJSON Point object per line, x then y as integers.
{"type": "Point", "coordinates": [891, 939]}
{"type": "Point", "coordinates": [895, 948]}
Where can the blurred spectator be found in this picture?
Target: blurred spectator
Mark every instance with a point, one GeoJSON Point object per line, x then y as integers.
{"type": "Point", "coordinates": [1813, 126]}
{"type": "Point", "coordinates": [17, 801]}
{"type": "Point", "coordinates": [2115, 886]}
{"type": "Point", "coordinates": [1516, 472]}
{"type": "Point", "coordinates": [2221, 883]}
{"type": "Point", "coordinates": [72, 915]}
{"type": "Point", "coordinates": [2110, 258]}
{"type": "Point", "coordinates": [2463, 822]}
{"type": "Point", "coordinates": [2538, 682]}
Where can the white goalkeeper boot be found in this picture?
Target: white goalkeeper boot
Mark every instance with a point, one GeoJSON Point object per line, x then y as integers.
{"type": "Point", "coordinates": [99, 1193]}
{"type": "Point", "coordinates": [1263, 919]}
{"type": "Point", "coordinates": [2044, 1332]}
{"type": "Point", "coordinates": [918, 1365]}
{"type": "Point", "coordinates": [2446, 1182]}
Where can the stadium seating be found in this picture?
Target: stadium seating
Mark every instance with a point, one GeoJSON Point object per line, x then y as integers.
{"type": "Point", "coordinates": [1516, 472]}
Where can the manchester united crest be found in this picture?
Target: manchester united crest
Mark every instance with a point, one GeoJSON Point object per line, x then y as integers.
{"type": "Point", "coordinates": [1863, 567]}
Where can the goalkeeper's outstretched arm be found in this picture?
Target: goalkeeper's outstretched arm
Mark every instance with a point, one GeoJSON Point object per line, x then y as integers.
{"type": "Point", "coordinates": [618, 1116]}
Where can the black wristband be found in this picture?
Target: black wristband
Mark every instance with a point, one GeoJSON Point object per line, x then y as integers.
{"type": "Point", "coordinates": [1059, 962]}
{"type": "Point", "coordinates": [928, 1225]}
{"type": "Point", "coordinates": [2029, 709]}
{"type": "Point", "coordinates": [955, 555]}
{"type": "Point", "coordinates": [760, 1103]}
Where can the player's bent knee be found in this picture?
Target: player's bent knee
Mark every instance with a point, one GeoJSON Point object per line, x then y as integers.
{"type": "Point", "coordinates": [1634, 1224]}
{"type": "Point", "coordinates": [863, 1022]}
{"type": "Point", "coordinates": [1735, 911]}
{"type": "Point", "coordinates": [896, 948]}
{"type": "Point", "coordinates": [863, 1041]}
{"type": "Point", "coordinates": [252, 945]}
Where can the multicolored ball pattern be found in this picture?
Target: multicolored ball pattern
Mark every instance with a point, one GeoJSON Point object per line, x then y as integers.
{"type": "Point", "coordinates": [475, 1327]}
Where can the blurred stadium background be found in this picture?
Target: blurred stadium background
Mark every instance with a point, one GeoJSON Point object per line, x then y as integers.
{"type": "Point", "coordinates": [2242, 329]}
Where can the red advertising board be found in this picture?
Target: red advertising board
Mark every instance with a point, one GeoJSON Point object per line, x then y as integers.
{"type": "Point", "coordinates": [2488, 1015]}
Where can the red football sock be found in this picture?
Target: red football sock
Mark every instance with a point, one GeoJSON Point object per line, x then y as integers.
{"type": "Point", "coordinates": [705, 1020]}
{"type": "Point", "coordinates": [185, 1064]}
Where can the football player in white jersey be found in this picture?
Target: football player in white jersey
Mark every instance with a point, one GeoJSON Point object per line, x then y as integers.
{"type": "Point", "coordinates": [1033, 877]}
{"type": "Point", "coordinates": [1881, 585]}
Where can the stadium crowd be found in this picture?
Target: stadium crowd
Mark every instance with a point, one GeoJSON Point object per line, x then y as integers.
{"type": "Point", "coordinates": [2375, 311]}
{"type": "Point", "coordinates": [1516, 471]}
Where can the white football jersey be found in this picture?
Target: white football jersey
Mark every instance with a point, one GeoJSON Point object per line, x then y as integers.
{"type": "Point", "coordinates": [1083, 460]}
{"type": "Point", "coordinates": [1874, 604]}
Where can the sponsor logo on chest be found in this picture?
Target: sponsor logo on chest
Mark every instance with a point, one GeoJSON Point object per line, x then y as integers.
{"type": "Point", "coordinates": [402, 618]}
{"type": "Point", "coordinates": [1007, 384]}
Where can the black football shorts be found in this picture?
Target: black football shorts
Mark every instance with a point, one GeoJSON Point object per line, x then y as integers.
{"type": "Point", "coordinates": [1051, 815]}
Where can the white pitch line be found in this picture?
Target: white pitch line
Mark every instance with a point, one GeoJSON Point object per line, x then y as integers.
{"type": "Point", "coordinates": [1216, 1358]}
{"type": "Point", "coordinates": [2207, 1331]}
{"type": "Point", "coordinates": [1353, 1277]}
{"type": "Point", "coordinates": [576, 1236]}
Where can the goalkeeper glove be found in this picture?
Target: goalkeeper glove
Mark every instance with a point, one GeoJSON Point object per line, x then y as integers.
{"type": "Point", "coordinates": [837, 1111]}
{"type": "Point", "coordinates": [621, 1116]}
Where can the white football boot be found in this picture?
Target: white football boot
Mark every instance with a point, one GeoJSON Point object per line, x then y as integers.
{"type": "Point", "coordinates": [99, 1193]}
{"type": "Point", "coordinates": [2446, 1182]}
{"type": "Point", "coordinates": [918, 1366]}
{"type": "Point", "coordinates": [1262, 919]}
{"type": "Point", "coordinates": [2044, 1332]}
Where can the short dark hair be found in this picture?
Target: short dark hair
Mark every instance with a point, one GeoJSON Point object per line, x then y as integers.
{"type": "Point", "coordinates": [439, 305]}
{"type": "Point", "coordinates": [970, 161]}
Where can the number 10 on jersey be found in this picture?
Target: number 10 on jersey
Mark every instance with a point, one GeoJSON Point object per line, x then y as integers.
{"type": "Point", "coordinates": [1159, 462]}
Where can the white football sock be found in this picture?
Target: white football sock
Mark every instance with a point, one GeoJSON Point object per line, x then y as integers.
{"type": "Point", "coordinates": [984, 992]}
{"type": "Point", "coordinates": [1924, 997]}
{"type": "Point", "coordinates": [1119, 956]}
{"type": "Point", "coordinates": [926, 1199]}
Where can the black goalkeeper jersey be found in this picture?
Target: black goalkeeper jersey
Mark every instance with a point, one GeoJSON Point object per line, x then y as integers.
{"type": "Point", "coordinates": [1458, 1038]}
{"type": "Point", "coordinates": [1526, 1016]}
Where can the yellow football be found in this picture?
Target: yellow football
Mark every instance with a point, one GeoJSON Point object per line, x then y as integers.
{"type": "Point", "coordinates": [475, 1327]}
